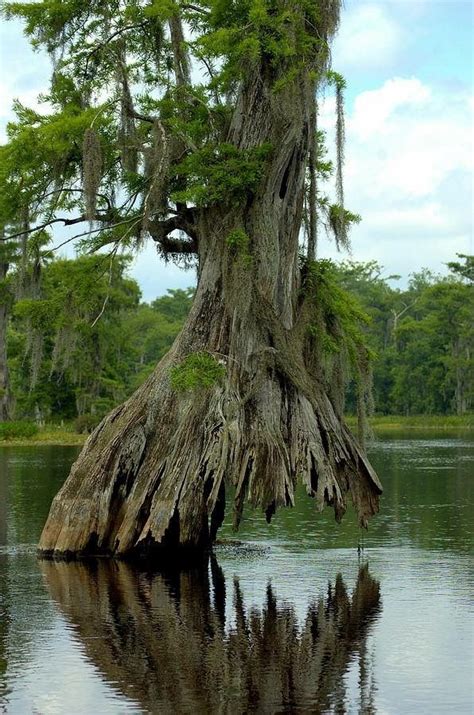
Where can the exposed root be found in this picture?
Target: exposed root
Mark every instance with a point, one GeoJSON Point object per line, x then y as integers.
{"type": "Point", "coordinates": [153, 474]}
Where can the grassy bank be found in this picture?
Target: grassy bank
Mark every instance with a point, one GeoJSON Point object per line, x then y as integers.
{"type": "Point", "coordinates": [65, 435]}
{"type": "Point", "coordinates": [49, 434]}
{"type": "Point", "coordinates": [381, 423]}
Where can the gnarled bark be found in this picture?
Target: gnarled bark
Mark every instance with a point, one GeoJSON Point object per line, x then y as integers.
{"type": "Point", "coordinates": [153, 474]}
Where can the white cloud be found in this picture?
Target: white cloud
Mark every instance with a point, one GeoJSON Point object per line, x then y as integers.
{"type": "Point", "coordinates": [409, 164]}
{"type": "Point", "coordinates": [24, 73]}
{"type": "Point", "coordinates": [368, 35]}
{"type": "Point", "coordinates": [373, 108]}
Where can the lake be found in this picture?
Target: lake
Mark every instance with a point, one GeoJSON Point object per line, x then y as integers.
{"type": "Point", "coordinates": [300, 616]}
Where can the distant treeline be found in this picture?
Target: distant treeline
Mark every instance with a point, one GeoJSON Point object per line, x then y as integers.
{"type": "Point", "coordinates": [422, 337]}
{"type": "Point", "coordinates": [83, 341]}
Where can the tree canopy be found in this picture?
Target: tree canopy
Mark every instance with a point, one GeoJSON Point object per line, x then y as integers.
{"type": "Point", "coordinates": [136, 134]}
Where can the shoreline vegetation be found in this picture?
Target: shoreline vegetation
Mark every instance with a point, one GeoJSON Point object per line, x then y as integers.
{"type": "Point", "coordinates": [66, 436]}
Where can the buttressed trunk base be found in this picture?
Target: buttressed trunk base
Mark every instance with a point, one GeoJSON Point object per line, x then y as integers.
{"type": "Point", "coordinates": [152, 476]}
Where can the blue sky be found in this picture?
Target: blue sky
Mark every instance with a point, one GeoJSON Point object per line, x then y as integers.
{"type": "Point", "coordinates": [409, 156]}
{"type": "Point", "coordinates": [431, 39]}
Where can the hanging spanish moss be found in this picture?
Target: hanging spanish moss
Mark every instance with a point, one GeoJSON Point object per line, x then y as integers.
{"type": "Point", "coordinates": [157, 161]}
{"type": "Point", "coordinates": [338, 218]}
{"type": "Point", "coordinates": [127, 134]}
{"type": "Point", "coordinates": [22, 279]}
{"type": "Point", "coordinates": [36, 269]}
{"type": "Point", "coordinates": [340, 141]}
{"type": "Point", "coordinates": [36, 348]}
{"type": "Point", "coordinates": [329, 11]}
{"type": "Point", "coordinates": [338, 344]}
{"type": "Point", "coordinates": [312, 227]}
{"type": "Point", "coordinates": [65, 343]}
{"type": "Point", "coordinates": [91, 171]}
{"type": "Point", "coordinates": [127, 141]}
{"type": "Point", "coordinates": [180, 57]}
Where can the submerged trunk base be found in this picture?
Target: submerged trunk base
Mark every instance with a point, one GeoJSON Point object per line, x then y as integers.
{"type": "Point", "coordinates": [151, 480]}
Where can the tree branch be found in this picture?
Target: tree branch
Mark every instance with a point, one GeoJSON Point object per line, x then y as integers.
{"type": "Point", "coordinates": [160, 232]}
{"type": "Point", "coordinates": [103, 44]}
{"type": "Point", "coordinates": [195, 8]}
{"type": "Point", "coordinates": [50, 222]}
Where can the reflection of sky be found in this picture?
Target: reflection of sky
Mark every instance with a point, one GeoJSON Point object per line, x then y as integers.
{"type": "Point", "coordinates": [408, 64]}
{"type": "Point", "coordinates": [419, 646]}
{"type": "Point", "coordinates": [59, 679]}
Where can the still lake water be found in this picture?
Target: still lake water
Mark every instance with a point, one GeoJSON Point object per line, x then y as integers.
{"type": "Point", "coordinates": [294, 620]}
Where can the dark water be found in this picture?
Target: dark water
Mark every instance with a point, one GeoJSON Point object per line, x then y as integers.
{"type": "Point", "coordinates": [292, 621]}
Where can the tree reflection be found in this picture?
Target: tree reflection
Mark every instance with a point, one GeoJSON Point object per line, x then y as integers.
{"type": "Point", "coordinates": [170, 642]}
{"type": "Point", "coordinates": [4, 614]}
{"type": "Point", "coordinates": [3, 499]}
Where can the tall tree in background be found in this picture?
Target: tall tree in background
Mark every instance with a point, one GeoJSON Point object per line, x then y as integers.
{"type": "Point", "coordinates": [193, 124]}
{"type": "Point", "coordinates": [434, 361]}
{"type": "Point", "coordinates": [6, 256]}
{"type": "Point", "coordinates": [70, 347]}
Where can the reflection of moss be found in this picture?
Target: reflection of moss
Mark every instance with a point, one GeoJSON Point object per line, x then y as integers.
{"type": "Point", "coordinates": [196, 371]}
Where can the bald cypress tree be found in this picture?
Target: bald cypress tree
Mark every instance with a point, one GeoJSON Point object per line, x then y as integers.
{"type": "Point", "coordinates": [192, 125]}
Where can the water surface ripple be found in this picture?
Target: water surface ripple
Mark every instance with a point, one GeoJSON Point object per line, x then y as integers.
{"type": "Point", "coordinates": [302, 616]}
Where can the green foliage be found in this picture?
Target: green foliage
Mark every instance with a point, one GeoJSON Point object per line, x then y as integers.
{"type": "Point", "coordinates": [434, 351]}
{"type": "Point", "coordinates": [339, 341]}
{"type": "Point", "coordinates": [80, 155]}
{"type": "Point", "coordinates": [86, 370]}
{"type": "Point", "coordinates": [288, 39]}
{"type": "Point", "coordinates": [423, 339]}
{"type": "Point", "coordinates": [175, 306]}
{"type": "Point", "coordinates": [423, 336]}
{"type": "Point", "coordinates": [63, 342]}
{"type": "Point", "coordinates": [13, 430]}
{"type": "Point", "coordinates": [340, 220]}
{"type": "Point", "coordinates": [336, 79]}
{"type": "Point", "coordinates": [463, 270]}
{"type": "Point", "coordinates": [339, 318]}
{"type": "Point", "coordinates": [221, 174]}
{"type": "Point", "coordinates": [197, 371]}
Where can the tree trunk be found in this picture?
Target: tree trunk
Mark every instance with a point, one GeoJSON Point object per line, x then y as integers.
{"type": "Point", "coordinates": [152, 475]}
{"type": "Point", "coordinates": [5, 397]}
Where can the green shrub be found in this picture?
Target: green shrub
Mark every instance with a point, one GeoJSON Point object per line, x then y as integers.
{"type": "Point", "coordinates": [17, 430]}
